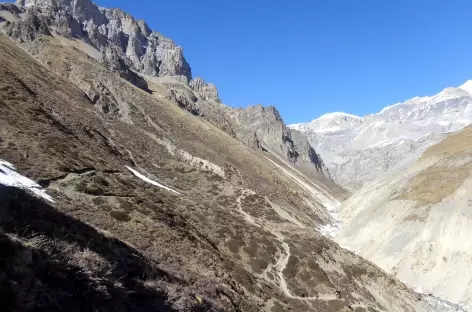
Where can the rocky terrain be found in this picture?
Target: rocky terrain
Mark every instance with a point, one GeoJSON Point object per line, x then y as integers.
{"type": "Point", "coordinates": [142, 56]}
{"type": "Point", "coordinates": [416, 222]}
{"type": "Point", "coordinates": [357, 150]}
{"type": "Point", "coordinates": [126, 190]}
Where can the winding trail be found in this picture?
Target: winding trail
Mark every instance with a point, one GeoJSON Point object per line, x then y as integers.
{"type": "Point", "coordinates": [283, 256]}
{"type": "Point", "coordinates": [281, 265]}
{"type": "Point", "coordinates": [249, 219]}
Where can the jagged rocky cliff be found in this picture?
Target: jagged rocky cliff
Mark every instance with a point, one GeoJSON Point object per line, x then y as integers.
{"type": "Point", "coordinates": [118, 36]}
{"type": "Point", "coordinates": [140, 55]}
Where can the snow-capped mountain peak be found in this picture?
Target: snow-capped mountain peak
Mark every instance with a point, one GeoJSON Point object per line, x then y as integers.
{"type": "Point", "coordinates": [338, 115]}
{"type": "Point", "coordinates": [356, 148]}
{"type": "Point", "coordinates": [467, 86]}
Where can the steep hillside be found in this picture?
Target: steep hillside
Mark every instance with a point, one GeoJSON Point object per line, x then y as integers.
{"type": "Point", "coordinates": [358, 150]}
{"type": "Point", "coordinates": [416, 223]}
{"type": "Point", "coordinates": [142, 56]}
{"type": "Point", "coordinates": [153, 208]}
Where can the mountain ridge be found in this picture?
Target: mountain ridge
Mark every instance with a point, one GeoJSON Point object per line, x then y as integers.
{"type": "Point", "coordinates": [356, 148]}
{"type": "Point", "coordinates": [466, 86]}
{"type": "Point", "coordinates": [143, 56]}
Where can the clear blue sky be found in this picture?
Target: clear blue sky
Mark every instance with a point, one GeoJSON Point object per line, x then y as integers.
{"type": "Point", "coordinates": [309, 57]}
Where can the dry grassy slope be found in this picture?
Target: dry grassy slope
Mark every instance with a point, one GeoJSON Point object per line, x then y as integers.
{"type": "Point", "coordinates": [162, 120]}
{"type": "Point", "coordinates": [417, 223]}
{"type": "Point", "coordinates": [242, 242]}
{"type": "Point", "coordinates": [448, 174]}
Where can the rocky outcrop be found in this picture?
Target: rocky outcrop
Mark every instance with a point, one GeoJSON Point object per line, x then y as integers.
{"type": "Point", "coordinates": [263, 127]}
{"type": "Point", "coordinates": [28, 28]}
{"type": "Point", "coordinates": [306, 153]}
{"type": "Point", "coordinates": [114, 32]}
{"type": "Point", "coordinates": [207, 91]}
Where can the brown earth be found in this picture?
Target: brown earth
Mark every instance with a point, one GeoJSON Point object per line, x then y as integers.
{"type": "Point", "coordinates": [454, 166]}
{"type": "Point", "coordinates": [113, 242]}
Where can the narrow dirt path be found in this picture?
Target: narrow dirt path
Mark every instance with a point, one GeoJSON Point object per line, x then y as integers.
{"type": "Point", "coordinates": [283, 256]}
{"type": "Point", "coordinates": [249, 219]}
{"type": "Point", "coordinates": [282, 264]}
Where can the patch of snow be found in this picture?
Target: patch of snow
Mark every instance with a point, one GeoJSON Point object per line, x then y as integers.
{"type": "Point", "coordinates": [330, 129]}
{"type": "Point", "coordinates": [467, 86]}
{"type": "Point", "coordinates": [440, 305]}
{"type": "Point", "coordinates": [401, 142]}
{"type": "Point", "coordinates": [348, 248]}
{"type": "Point", "coordinates": [389, 107]}
{"type": "Point", "coordinates": [297, 126]}
{"type": "Point", "coordinates": [146, 179]}
{"type": "Point", "coordinates": [381, 144]}
{"type": "Point", "coordinates": [418, 289]}
{"type": "Point", "coordinates": [417, 100]}
{"type": "Point", "coordinates": [444, 123]}
{"type": "Point", "coordinates": [329, 230]}
{"type": "Point", "coordinates": [338, 114]}
{"type": "Point", "coordinates": [9, 177]}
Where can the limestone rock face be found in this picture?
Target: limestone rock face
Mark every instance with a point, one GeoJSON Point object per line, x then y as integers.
{"type": "Point", "coordinates": [269, 128]}
{"type": "Point", "coordinates": [159, 210]}
{"type": "Point", "coordinates": [259, 127]}
{"type": "Point", "coordinates": [147, 52]}
{"type": "Point", "coordinates": [29, 28]}
{"type": "Point", "coordinates": [208, 91]}
{"type": "Point", "coordinates": [306, 153]}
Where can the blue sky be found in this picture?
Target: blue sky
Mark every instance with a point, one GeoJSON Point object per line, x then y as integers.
{"type": "Point", "coordinates": [312, 57]}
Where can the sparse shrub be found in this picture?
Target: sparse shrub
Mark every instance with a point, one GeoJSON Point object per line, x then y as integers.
{"type": "Point", "coordinates": [93, 189]}
{"type": "Point", "coordinates": [126, 205]}
{"type": "Point", "coordinates": [143, 211]}
{"type": "Point", "coordinates": [98, 201]}
{"type": "Point", "coordinates": [120, 215]}
{"type": "Point", "coordinates": [38, 242]}
{"type": "Point", "coordinates": [89, 260]}
{"type": "Point", "coordinates": [101, 181]}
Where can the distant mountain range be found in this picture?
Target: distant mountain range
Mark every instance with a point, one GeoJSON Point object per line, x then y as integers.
{"type": "Point", "coordinates": [416, 223]}
{"type": "Point", "coordinates": [358, 149]}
